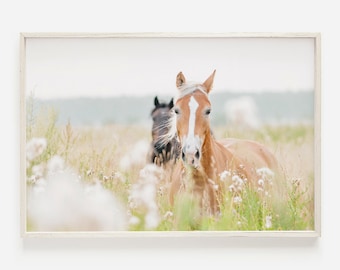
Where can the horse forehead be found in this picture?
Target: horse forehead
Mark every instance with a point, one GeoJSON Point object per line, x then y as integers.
{"type": "Point", "coordinates": [202, 99]}
{"type": "Point", "coordinates": [161, 112]}
{"type": "Point", "coordinates": [190, 101]}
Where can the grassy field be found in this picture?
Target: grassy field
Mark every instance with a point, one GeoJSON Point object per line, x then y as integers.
{"type": "Point", "coordinates": [114, 158]}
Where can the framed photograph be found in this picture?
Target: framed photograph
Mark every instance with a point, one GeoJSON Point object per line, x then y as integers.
{"type": "Point", "coordinates": [170, 134]}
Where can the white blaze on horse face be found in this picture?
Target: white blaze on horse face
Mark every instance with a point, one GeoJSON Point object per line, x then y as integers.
{"type": "Point", "coordinates": [191, 143]}
{"type": "Point", "coordinates": [193, 105]}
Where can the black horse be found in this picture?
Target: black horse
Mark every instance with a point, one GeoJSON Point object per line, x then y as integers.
{"type": "Point", "coordinates": [163, 149]}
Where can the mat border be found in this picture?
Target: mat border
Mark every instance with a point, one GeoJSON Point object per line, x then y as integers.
{"type": "Point", "coordinates": [211, 234]}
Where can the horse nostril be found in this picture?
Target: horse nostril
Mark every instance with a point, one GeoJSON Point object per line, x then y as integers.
{"type": "Point", "coordinates": [197, 154]}
{"type": "Point", "coordinates": [183, 155]}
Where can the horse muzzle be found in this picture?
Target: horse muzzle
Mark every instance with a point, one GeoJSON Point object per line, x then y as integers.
{"type": "Point", "coordinates": [159, 147]}
{"type": "Point", "coordinates": [191, 153]}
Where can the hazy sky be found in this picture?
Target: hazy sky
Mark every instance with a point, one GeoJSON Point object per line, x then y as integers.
{"type": "Point", "coordinates": [100, 67]}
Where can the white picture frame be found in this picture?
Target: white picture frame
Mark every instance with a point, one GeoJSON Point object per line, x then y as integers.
{"type": "Point", "coordinates": [27, 73]}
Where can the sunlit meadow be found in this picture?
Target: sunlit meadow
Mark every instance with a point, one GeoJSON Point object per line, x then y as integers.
{"type": "Point", "coordinates": [98, 179]}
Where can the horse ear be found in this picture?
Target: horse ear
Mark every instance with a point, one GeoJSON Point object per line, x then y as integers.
{"type": "Point", "coordinates": [209, 82]}
{"type": "Point", "coordinates": [156, 102]}
{"type": "Point", "coordinates": [171, 103]}
{"type": "Point", "coordinates": [180, 79]}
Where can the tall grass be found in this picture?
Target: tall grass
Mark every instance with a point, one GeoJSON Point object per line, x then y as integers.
{"type": "Point", "coordinates": [115, 157]}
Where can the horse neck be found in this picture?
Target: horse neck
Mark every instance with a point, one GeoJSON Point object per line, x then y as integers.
{"type": "Point", "coordinates": [209, 152]}
{"type": "Point", "coordinates": [215, 157]}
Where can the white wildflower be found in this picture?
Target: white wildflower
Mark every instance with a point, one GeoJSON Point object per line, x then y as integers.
{"type": "Point", "coordinates": [151, 172]}
{"type": "Point", "coordinates": [38, 171]}
{"type": "Point", "coordinates": [232, 188]}
{"type": "Point", "coordinates": [89, 172]}
{"type": "Point", "coordinates": [265, 172]}
{"type": "Point", "coordinates": [224, 175]}
{"type": "Point", "coordinates": [142, 196]}
{"type": "Point", "coordinates": [35, 147]}
{"type": "Point", "coordinates": [152, 220]}
{"type": "Point", "coordinates": [134, 220]}
{"type": "Point", "coordinates": [237, 182]}
{"type": "Point", "coordinates": [268, 222]}
{"type": "Point", "coordinates": [39, 185]}
{"type": "Point", "coordinates": [237, 200]}
{"type": "Point", "coordinates": [168, 215]}
{"type": "Point", "coordinates": [260, 182]}
{"type": "Point", "coordinates": [103, 206]}
{"type": "Point", "coordinates": [55, 164]}
{"type": "Point", "coordinates": [266, 177]}
{"type": "Point", "coordinates": [64, 203]}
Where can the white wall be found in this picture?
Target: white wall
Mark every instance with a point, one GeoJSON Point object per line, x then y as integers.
{"type": "Point", "coordinates": [170, 16]}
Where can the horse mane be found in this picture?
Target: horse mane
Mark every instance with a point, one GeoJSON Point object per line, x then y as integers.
{"type": "Point", "coordinates": [189, 88]}
{"type": "Point", "coordinates": [172, 133]}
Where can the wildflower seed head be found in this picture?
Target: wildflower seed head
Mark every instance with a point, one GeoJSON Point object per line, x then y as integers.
{"type": "Point", "coordinates": [237, 200]}
{"type": "Point", "coordinates": [89, 172]}
{"type": "Point", "coordinates": [268, 224]}
{"type": "Point", "coordinates": [238, 183]}
{"type": "Point", "coordinates": [168, 215]}
{"type": "Point", "coordinates": [55, 164]}
{"type": "Point", "coordinates": [265, 174]}
{"type": "Point", "coordinates": [134, 220]}
{"type": "Point", "coordinates": [296, 181]}
{"type": "Point", "coordinates": [260, 182]}
{"type": "Point", "coordinates": [38, 171]}
{"type": "Point", "coordinates": [224, 175]}
{"type": "Point", "coordinates": [232, 188]}
{"type": "Point", "coordinates": [152, 220]}
{"type": "Point", "coordinates": [62, 201]}
{"type": "Point", "coordinates": [35, 147]}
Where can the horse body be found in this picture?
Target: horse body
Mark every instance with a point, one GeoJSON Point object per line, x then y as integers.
{"type": "Point", "coordinates": [203, 157]}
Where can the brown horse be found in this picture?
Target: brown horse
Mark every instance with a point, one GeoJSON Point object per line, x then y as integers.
{"type": "Point", "coordinates": [203, 157]}
{"type": "Point", "coordinates": [163, 149]}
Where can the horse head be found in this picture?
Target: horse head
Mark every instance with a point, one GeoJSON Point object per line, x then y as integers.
{"type": "Point", "coordinates": [164, 147]}
{"type": "Point", "coordinates": [192, 110]}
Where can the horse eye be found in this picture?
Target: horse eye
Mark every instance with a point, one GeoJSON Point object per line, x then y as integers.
{"type": "Point", "coordinates": [208, 111]}
{"type": "Point", "coordinates": [176, 110]}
